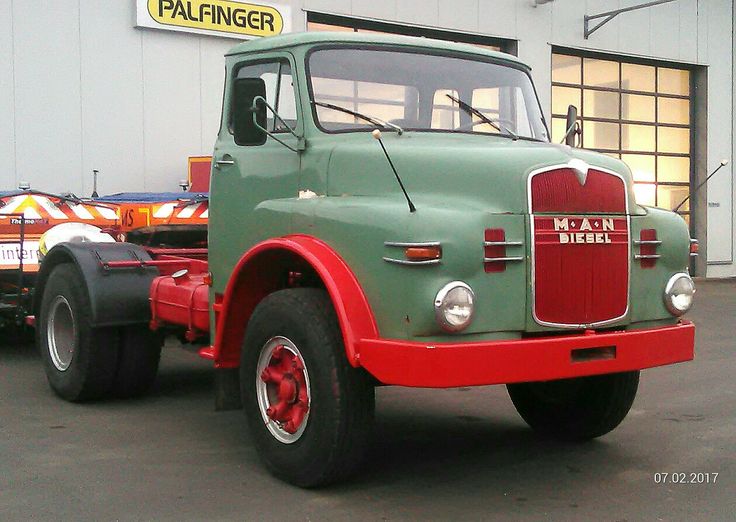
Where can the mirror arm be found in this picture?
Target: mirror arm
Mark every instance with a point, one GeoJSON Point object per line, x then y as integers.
{"type": "Point", "coordinates": [300, 141]}
{"type": "Point", "coordinates": [574, 129]}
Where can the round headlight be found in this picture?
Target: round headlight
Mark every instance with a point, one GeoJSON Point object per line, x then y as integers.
{"type": "Point", "coordinates": [453, 306]}
{"type": "Point", "coordinates": [678, 294]}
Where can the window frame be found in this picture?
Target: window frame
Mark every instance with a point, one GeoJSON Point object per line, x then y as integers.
{"type": "Point", "coordinates": [280, 59]}
{"type": "Point", "coordinates": [418, 50]}
{"type": "Point", "coordinates": [621, 121]}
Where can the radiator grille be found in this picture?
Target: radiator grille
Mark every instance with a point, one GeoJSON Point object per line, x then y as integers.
{"type": "Point", "coordinates": [581, 248]}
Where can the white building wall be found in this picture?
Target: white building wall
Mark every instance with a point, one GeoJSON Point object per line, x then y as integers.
{"type": "Point", "coordinates": [111, 73]}
{"type": "Point", "coordinates": [7, 97]}
{"type": "Point", "coordinates": [47, 93]}
{"type": "Point", "coordinates": [82, 88]}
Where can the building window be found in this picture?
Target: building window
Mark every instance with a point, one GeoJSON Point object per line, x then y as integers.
{"type": "Point", "coordinates": [636, 112]}
{"type": "Point", "coordinates": [327, 22]}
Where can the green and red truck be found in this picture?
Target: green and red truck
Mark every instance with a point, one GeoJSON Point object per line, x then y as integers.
{"type": "Point", "coordinates": [384, 211]}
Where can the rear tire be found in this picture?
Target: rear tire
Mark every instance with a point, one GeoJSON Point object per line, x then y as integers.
{"type": "Point", "coordinates": [295, 335]}
{"type": "Point", "coordinates": [80, 361]}
{"type": "Point", "coordinates": [576, 409]}
{"type": "Point", "coordinates": [138, 360]}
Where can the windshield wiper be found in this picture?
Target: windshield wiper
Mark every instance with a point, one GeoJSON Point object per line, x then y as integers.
{"type": "Point", "coordinates": [475, 112]}
{"type": "Point", "coordinates": [371, 119]}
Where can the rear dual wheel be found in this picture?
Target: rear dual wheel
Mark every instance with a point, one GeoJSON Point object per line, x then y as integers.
{"type": "Point", "coordinates": [309, 412]}
{"type": "Point", "coordinates": [139, 354]}
{"type": "Point", "coordinates": [83, 362]}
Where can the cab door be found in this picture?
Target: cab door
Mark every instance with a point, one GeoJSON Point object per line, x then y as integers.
{"type": "Point", "coordinates": [248, 178]}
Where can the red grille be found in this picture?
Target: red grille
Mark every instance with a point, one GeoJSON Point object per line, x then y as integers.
{"type": "Point", "coordinates": [496, 235]}
{"type": "Point", "coordinates": [560, 190]}
{"type": "Point", "coordinates": [648, 250]}
{"type": "Point", "coordinates": [581, 269]}
{"type": "Point", "coordinates": [581, 263]}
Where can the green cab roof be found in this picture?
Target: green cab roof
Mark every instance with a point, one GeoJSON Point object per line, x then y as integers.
{"type": "Point", "coordinates": [270, 43]}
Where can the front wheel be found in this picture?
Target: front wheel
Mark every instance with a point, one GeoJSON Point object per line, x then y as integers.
{"type": "Point", "coordinates": [576, 409]}
{"type": "Point", "coordinates": [309, 412]}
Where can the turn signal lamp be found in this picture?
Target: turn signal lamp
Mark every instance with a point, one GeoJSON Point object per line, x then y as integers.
{"type": "Point", "coordinates": [425, 253]}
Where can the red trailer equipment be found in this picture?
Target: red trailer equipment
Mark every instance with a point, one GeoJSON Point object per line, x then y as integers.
{"type": "Point", "coordinates": [29, 218]}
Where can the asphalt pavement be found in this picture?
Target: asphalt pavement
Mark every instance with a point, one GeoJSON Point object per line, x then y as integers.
{"type": "Point", "coordinates": [458, 454]}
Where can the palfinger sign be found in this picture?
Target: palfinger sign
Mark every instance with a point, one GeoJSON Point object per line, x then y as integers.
{"type": "Point", "coordinates": [231, 18]}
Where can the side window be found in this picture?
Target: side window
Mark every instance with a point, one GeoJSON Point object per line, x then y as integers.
{"type": "Point", "coordinates": [280, 93]}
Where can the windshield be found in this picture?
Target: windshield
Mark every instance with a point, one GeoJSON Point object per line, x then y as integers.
{"type": "Point", "coordinates": [422, 92]}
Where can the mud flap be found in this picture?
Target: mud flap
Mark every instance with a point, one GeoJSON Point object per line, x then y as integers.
{"type": "Point", "coordinates": [227, 389]}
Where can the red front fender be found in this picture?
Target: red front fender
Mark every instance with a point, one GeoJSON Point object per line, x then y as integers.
{"type": "Point", "coordinates": [260, 272]}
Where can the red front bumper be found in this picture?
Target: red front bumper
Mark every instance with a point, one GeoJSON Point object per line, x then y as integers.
{"type": "Point", "coordinates": [537, 359]}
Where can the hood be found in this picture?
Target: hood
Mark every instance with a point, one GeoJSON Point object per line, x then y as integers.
{"type": "Point", "coordinates": [484, 172]}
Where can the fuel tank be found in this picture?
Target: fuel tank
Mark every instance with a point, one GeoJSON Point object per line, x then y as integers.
{"type": "Point", "coordinates": [181, 299]}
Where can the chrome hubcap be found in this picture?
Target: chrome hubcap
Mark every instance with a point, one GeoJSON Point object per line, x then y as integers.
{"type": "Point", "coordinates": [282, 389]}
{"type": "Point", "coordinates": [60, 333]}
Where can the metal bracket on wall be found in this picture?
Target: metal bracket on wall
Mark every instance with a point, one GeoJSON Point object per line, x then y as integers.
{"type": "Point", "coordinates": [610, 15]}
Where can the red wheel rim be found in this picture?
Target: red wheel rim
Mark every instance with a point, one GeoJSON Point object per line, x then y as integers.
{"type": "Point", "coordinates": [282, 389]}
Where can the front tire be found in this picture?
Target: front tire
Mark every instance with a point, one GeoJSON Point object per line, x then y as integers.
{"type": "Point", "coordinates": [576, 409]}
{"type": "Point", "coordinates": [80, 361]}
{"type": "Point", "coordinates": [309, 412]}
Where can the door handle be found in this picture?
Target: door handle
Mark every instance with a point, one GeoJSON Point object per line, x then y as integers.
{"type": "Point", "coordinates": [225, 161]}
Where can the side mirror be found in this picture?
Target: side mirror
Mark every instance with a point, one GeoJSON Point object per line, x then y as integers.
{"type": "Point", "coordinates": [572, 128]}
{"type": "Point", "coordinates": [244, 114]}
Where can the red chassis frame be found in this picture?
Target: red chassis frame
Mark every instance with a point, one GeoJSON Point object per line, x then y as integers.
{"type": "Point", "coordinates": [442, 365]}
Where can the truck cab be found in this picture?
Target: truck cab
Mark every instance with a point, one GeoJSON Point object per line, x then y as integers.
{"type": "Point", "coordinates": [390, 211]}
